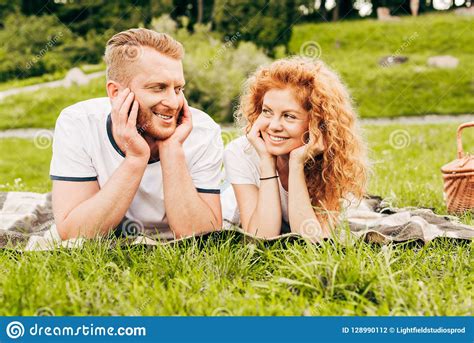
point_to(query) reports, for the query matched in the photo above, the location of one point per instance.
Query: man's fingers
(117, 102)
(122, 95)
(186, 118)
(125, 109)
(132, 120)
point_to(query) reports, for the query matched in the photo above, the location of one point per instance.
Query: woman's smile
(277, 139)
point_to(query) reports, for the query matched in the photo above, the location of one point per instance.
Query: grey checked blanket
(27, 224)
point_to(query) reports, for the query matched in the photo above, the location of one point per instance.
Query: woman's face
(284, 122)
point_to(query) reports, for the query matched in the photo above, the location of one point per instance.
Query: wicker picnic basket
(458, 178)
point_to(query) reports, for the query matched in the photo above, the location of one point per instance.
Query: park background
(411, 78)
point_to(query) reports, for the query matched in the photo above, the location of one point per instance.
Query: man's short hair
(127, 46)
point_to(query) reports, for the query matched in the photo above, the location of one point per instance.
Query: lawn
(42, 107)
(353, 48)
(223, 276)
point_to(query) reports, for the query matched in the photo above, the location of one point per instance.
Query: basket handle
(462, 126)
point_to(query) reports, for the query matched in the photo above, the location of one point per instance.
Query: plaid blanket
(27, 224)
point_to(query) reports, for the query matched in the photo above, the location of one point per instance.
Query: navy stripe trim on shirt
(211, 191)
(114, 143)
(71, 178)
(111, 136)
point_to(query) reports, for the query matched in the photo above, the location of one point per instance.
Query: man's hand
(182, 130)
(124, 126)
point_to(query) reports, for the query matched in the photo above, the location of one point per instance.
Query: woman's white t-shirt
(241, 165)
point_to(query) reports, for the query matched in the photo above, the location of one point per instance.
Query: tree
(8, 7)
(344, 9)
(266, 23)
(197, 11)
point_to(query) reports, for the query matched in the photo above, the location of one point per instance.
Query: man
(141, 157)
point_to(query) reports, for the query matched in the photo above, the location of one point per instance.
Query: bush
(32, 46)
(38, 45)
(266, 23)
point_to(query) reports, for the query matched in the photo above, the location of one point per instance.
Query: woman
(301, 155)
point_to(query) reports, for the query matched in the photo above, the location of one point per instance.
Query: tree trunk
(147, 9)
(335, 12)
(323, 11)
(199, 11)
(345, 9)
(342, 10)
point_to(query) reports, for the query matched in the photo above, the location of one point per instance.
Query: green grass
(24, 166)
(223, 276)
(407, 160)
(353, 48)
(226, 277)
(42, 107)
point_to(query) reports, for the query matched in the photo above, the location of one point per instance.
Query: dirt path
(52, 84)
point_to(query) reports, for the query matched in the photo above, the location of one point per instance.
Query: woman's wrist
(268, 167)
(296, 164)
(268, 162)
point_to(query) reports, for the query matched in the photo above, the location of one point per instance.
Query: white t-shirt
(84, 149)
(241, 164)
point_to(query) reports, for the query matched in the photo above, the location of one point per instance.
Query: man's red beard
(149, 124)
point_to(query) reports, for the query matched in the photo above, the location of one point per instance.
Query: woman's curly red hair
(342, 169)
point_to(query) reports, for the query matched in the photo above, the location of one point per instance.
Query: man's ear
(113, 88)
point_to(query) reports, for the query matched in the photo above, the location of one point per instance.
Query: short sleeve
(206, 171)
(238, 165)
(70, 160)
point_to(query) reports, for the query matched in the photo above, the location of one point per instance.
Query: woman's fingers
(254, 138)
(253, 132)
(257, 127)
(316, 145)
(320, 143)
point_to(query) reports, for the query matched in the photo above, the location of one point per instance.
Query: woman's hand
(298, 155)
(255, 138)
